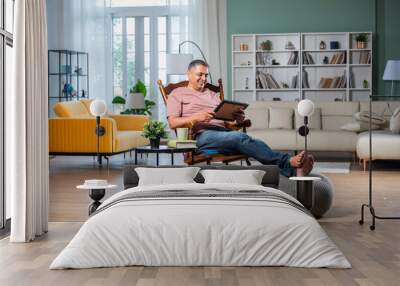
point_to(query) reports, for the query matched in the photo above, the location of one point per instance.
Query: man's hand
(239, 116)
(203, 116)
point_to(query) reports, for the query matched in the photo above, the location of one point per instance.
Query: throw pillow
(248, 177)
(258, 117)
(314, 121)
(166, 176)
(281, 118)
(364, 117)
(395, 121)
(358, 127)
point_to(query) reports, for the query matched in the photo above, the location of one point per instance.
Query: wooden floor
(375, 256)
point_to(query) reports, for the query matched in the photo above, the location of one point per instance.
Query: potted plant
(118, 104)
(266, 45)
(154, 130)
(135, 92)
(361, 40)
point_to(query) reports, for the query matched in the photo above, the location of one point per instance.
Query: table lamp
(98, 108)
(305, 108)
(392, 72)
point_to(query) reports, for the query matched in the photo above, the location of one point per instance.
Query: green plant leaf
(118, 100)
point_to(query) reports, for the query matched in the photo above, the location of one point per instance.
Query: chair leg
(365, 161)
(248, 162)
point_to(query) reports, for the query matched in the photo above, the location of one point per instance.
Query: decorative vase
(360, 45)
(155, 143)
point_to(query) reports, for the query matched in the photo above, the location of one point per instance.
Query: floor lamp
(305, 108)
(177, 64)
(392, 72)
(98, 108)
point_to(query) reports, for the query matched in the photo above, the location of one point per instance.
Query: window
(141, 38)
(6, 43)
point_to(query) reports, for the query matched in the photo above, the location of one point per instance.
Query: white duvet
(191, 231)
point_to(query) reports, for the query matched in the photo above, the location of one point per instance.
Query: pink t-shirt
(184, 102)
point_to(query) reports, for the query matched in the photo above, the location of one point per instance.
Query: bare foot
(298, 160)
(307, 166)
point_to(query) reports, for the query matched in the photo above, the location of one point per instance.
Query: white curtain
(206, 26)
(80, 25)
(27, 134)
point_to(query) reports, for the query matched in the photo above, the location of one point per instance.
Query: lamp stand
(201, 52)
(100, 131)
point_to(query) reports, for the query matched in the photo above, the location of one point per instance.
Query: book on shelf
(338, 59)
(295, 81)
(365, 57)
(181, 143)
(305, 83)
(308, 59)
(266, 81)
(333, 82)
(293, 59)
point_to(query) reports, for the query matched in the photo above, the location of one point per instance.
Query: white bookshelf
(246, 65)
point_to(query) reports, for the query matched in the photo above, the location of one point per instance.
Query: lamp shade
(135, 101)
(98, 107)
(392, 70)
(177, 64)
(305, 107)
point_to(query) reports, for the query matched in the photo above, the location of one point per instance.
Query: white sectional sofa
(277, 122)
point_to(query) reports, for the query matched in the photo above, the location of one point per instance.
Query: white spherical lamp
(305, 107)
(98, 107)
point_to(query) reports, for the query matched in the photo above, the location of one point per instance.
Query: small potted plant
(361, 40)
(154, 130)
(266, 45)
(118, 104)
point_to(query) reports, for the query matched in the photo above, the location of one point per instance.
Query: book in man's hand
(182, 143)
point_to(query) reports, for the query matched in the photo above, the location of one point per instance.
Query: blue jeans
(233, 142)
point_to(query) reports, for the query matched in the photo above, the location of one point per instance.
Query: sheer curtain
(80, 25)
(206, 26)
(27, 134)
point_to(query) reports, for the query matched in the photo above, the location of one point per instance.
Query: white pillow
(395, 121)
(166, 176)
(248, 177)
(281, 118)
(359, 126)
(364, 117)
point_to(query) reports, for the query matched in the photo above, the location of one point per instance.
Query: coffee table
(162, 149)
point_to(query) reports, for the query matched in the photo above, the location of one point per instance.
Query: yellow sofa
(72, 132)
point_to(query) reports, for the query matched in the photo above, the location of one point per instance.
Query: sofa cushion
(314, 121)
(258, 117)
(395, 121)
(70, 109)
(129, 139)
(320, 140)
(280, 118)
(358, 127)
(385, 145)
(277, 139)
(338, 108)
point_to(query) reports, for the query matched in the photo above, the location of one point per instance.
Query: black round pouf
(324, 193)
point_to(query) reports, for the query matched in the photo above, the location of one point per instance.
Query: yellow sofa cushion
(129, 139)
(86, 103)
(71, 109)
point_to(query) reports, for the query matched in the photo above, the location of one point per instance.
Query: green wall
(288, 16)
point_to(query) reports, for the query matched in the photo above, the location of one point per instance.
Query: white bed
(183, 230)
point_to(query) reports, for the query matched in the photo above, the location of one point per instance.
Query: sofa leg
(365, 164)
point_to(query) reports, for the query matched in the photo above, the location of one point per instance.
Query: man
(193, 106)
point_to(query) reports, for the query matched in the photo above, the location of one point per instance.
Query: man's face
(197, 76)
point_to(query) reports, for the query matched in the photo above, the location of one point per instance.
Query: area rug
(332, 167)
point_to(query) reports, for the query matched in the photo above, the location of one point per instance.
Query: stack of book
(293, 59)
(365, 57)
(338, 59)
(173, 143)
(333, 82)
(266, 81)
(307, 59)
